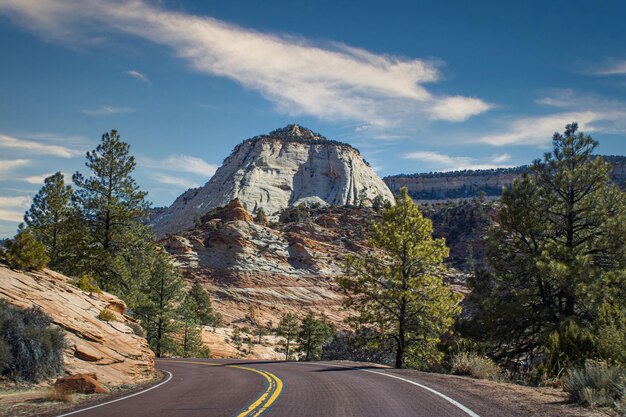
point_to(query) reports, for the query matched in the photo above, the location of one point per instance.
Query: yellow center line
(274, 388)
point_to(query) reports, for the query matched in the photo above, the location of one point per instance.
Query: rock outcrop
(284, 168)
(110, 349)
(289, 267)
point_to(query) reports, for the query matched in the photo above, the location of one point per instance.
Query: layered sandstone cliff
(110, 349)
(285, 168)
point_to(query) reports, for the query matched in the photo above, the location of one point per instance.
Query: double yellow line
(271, 393)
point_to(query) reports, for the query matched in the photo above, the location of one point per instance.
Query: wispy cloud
(8, 165)
(592, 113)
(331, 81)
(106, 110)
(442, 162)
(175, 181)
(12, 208)
(10, 142)
(616, 67)
(136, 74)
(182, 163)
(39, 179)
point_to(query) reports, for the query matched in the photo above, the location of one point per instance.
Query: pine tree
(25, 252)
(113, 206)
(191, 339)
(49, 218)
(200, 304)
(288, 329)
(400, 290)
(161, 293)
(312, 336)
(557, 261)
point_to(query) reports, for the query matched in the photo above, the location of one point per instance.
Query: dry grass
(59, 394)
(476, 366)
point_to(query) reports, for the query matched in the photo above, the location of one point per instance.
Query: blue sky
(417, 86)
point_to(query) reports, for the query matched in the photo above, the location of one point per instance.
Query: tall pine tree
(400, 291)
(49, 219)
(113, 207)
(556, 262)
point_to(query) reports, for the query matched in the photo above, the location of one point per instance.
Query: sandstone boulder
(81, 384)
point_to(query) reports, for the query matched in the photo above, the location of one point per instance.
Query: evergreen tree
(161, 292)
(288, 329)
(200, 305)
(400, 291)
(25, 252)
(190, 338)
(312, 336)
(49, 218)
(112, 207)
(556, 283)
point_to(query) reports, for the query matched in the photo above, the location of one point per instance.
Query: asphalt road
(202, 388)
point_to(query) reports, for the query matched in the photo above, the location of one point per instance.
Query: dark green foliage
(312, 335)
(193, 312)
(199, 305)
(25, 252)
(52, 219)
(288, 329)
(298, 213)
(112, 208)
(30, 349)
(160, 293)
(556, 285)
(362, 345)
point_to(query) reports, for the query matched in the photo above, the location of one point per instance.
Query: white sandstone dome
(284, 168)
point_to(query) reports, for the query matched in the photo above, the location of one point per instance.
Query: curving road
(203, 388)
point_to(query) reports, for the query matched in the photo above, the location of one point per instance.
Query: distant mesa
(284, 168)
(468, 183)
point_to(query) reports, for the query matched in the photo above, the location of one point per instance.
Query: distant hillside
(468, 183)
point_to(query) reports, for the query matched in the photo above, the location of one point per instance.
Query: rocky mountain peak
(287, 167)
(296, 132)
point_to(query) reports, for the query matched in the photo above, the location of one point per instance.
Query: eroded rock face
(109, 349)
(289, 267)
(284, 168)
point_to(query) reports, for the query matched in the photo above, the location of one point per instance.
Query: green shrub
(476, 366)
(596, 384)
(86, 284)
(25, 252)
(107, 315)
(30, 349)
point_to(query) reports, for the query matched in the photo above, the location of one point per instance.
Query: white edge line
(119, 399)
(445, 397)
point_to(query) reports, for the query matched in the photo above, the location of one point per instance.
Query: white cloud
(441, 162)
(331, 81)
(7, 165)
(138, 75)
(39, 179)
(592, 113)
(182, 163)
(12, 208)
(106, 110)
(175, 181)
(614, 68)
(10, 142)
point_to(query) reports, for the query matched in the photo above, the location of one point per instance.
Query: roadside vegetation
(31, 349)
(96, 231)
